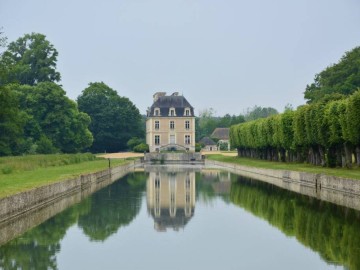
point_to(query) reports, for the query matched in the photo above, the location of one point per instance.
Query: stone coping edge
(318, 181)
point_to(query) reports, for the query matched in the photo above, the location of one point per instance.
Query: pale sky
(228, 55)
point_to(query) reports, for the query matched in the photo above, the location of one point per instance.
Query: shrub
(141, 148)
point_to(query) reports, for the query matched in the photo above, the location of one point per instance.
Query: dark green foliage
(30, 60)
(134, 142)
(114, 119)
(141, 148)
(45, 146)
(198, 147)
(52, 115)
(342, 78)
(12, 121)
(35, 114)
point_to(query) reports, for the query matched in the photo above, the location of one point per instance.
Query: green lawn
(19, 174)
(353, 173)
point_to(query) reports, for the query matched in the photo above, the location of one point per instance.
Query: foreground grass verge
(353, 173)
(18, 174)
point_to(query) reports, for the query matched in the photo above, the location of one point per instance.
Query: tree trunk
(348, 155)
(282, 155)
(322, 156)
(357, 155)
(275, 154)
(311, 156)
(339, 156)
(331, 157)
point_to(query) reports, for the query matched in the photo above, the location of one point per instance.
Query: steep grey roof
(164, 103)
(221, 133)
(207, 141)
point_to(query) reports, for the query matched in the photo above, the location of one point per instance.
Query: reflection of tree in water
(113, 207)
(36, 249)
(331, 230)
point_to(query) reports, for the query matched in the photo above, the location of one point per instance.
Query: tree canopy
(31, 59)
(257, 112)
(114, 119)
(339, 79)
(53, 117)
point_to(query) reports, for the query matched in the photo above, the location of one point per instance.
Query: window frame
(157, 125)
(157, 139)
(187, 124)
(187, 139)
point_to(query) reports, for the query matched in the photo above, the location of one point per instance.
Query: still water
(188, 219)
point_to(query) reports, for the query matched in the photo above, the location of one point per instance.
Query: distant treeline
(324, 132)
(206, 122)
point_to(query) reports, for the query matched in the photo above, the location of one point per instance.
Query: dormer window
(172, 112)
(187, 112)
(157, 112)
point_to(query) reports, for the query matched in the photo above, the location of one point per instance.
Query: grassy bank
(353, 173)
(22, 173)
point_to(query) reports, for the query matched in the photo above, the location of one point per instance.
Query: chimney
(157, 95)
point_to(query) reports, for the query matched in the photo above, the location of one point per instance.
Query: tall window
(187, 112)
(157, 112)
(187, 124)
(187, 139)
(157, 124)
(157, 139)
(172, 124)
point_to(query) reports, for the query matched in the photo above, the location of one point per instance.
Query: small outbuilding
(223, 135)
(209, 144)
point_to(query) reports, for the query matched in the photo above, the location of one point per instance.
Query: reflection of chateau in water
(171, 198)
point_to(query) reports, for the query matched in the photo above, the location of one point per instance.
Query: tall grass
(9, 165)
(18, 174)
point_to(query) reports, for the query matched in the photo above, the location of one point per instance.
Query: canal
(171, 218)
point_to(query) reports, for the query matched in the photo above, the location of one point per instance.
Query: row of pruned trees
(324, 133)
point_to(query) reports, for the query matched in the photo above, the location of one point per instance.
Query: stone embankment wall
(333, 189)
(18, 204)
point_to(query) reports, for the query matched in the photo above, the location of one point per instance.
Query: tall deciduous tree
(54, 119)
(31, 59)
(114, 119)
(11, 121)
(341, 78)
(259, 112)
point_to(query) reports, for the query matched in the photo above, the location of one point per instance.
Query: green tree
(341, 78)
(51, 115)
(258, 112)
(353, 120)
(114, 119)
(31, 59)
(134, 142)
(12, 121)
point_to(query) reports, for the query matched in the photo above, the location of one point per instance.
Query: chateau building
(170, 123)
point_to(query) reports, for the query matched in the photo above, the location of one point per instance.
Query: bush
(45, 146)
(198, 147)
(7, 170)
(134, 141)
(141, 148)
